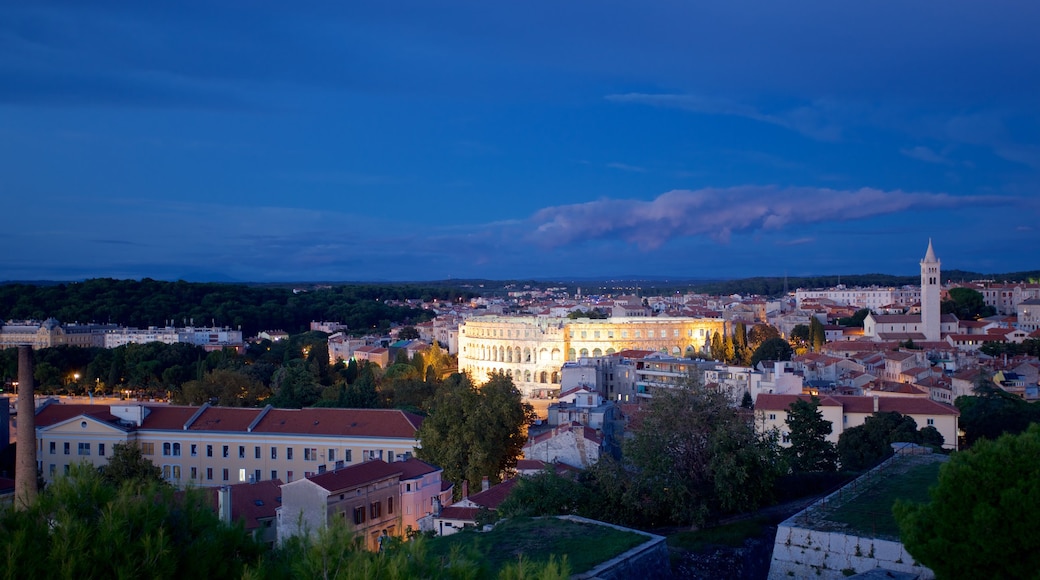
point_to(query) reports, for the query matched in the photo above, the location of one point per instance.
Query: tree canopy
(866, 445)
(983, 520)
(809, 450)
(967, 304)
(475, 432)
(772, 349)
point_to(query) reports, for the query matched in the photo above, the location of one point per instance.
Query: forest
(143, 303)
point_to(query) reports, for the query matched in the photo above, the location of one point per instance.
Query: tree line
(253, 308)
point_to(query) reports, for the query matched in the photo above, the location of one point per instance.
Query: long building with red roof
(211, 446)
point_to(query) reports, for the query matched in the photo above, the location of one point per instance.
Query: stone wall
(646, 561)
(803, 553)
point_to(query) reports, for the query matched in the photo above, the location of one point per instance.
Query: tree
(546, 493)
(992, 411)
(817, 335)
(866, 445)
(127, 465)
(856, 320)
(473, 433)
(809, 451)
(84, 527)
(718, 350)
(697, 457)
(729, 352)
(983, 520)
(760, 333)
(408, 333)
(772, 349)
(967, 304)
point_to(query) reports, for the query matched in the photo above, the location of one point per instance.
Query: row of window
(375, 510)
(639, 333)
(84, 448)
(309, 453)
(845, 419)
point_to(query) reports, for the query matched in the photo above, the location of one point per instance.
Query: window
(209, 451)
(787, 437)
(53, 469)
(390, 506)
(274, 474)
(225, 474)
(772, 416)
(84, 448)
(227, 450)
(256, 452)
(332, 455)
(346, 455)
(256, 475)
(241, 451)
(359, 515)
(242, 475)
(66, 469)
(101, 449)
(176, 471)
(54, 447)
(288, 476)
(288, 453)
(176, 449)
(209, 474)
(166, 471)
(194, 450)
(274, 452)
(310, 454)
(148, 449)
(194, 472)
(375, 509)
(166, 449)
(931, 422)
(68, 448)
(390, 456)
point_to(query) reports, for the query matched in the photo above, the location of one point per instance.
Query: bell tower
(930, 289)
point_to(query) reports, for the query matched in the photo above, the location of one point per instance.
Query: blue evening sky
(276, 141)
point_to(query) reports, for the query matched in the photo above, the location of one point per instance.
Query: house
(374, 354)
(574, 444)
(464, 513)
(366, 496)
(254, 505)
(845, 412)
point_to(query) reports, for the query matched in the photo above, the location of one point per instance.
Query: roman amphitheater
(531, 349)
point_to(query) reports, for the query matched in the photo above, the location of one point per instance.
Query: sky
(399, 140)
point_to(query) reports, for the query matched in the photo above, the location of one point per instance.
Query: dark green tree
(127, 465)
(866, 445)
(475, 432)
(985, 508)
(718, 350)
(760, 333)
(992, 412)
(408, 333)
(697, 457)
(817, 335)
(966, 304)
(546, 493)
(772, 349)
(856, 320)
(809, 451)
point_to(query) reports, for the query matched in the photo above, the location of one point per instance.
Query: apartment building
(214, 446)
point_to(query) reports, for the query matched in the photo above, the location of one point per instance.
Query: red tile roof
(251, 502)
(344, 422)
(166, 417)
(493, 497)
(413, 468)
(56, 413)
(464, 514)
(356, 475)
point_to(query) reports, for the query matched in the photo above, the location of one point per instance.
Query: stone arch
(544, 377)
(527, 355)
(556, 354)
(571, 354)
(556, 377)
(516, 354)
(509, 355)
(676, 351)
(610, 351)
(527, 376)
(597, 352)
(584, 353)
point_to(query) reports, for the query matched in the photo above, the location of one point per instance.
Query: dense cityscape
(474, 410)
(592, 290)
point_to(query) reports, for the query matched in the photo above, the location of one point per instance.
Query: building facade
(532, 349)
(213, 446)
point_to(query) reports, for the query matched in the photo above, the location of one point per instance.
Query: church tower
(930, 286)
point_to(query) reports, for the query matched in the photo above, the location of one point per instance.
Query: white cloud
(719, 213)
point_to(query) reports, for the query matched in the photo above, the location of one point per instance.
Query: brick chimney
(25, 454)
(484, 483)
(465, 488)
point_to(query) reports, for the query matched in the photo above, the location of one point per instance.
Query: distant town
(289, 428)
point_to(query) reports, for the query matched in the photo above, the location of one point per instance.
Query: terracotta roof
(493, 497)
(459, 513)
(773, 402)
(223, 419)
(344, 422)
(251, 501)
(355, 475)
(56, 413)
(413, 468)
(166, 417)
(860, 404)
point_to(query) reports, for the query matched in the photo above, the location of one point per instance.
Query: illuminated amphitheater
(532, 349)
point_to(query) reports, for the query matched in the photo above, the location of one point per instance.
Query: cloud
(718, 213)
(815, 120)
(922, 153)
(627, 167)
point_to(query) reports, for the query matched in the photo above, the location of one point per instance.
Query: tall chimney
(25, 454)
(877, 403)
(485, 484)
(224, 503)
